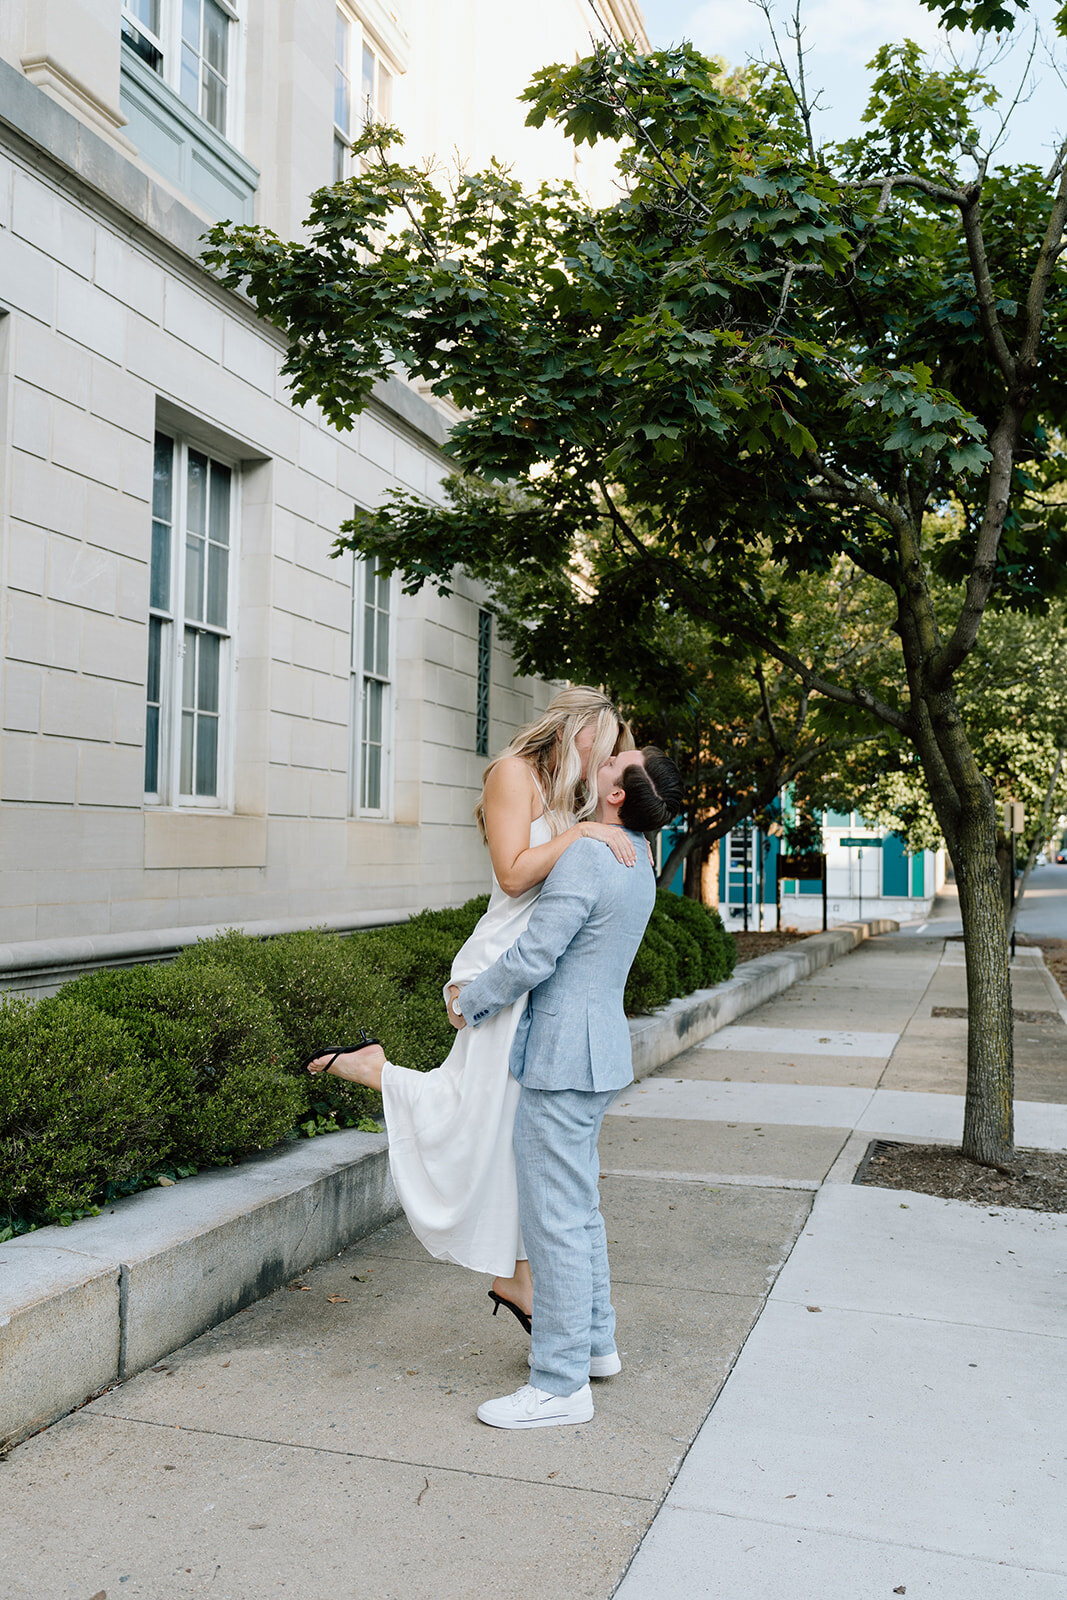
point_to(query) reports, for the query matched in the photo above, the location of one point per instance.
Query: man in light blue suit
(572, 1056)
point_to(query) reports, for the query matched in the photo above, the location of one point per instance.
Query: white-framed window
(192, 45)
(362, 86)
(372, 692)
(190, 640)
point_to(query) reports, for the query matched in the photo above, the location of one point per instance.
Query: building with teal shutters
(870, 873)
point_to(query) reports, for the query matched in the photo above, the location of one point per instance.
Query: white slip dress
(450, 1129)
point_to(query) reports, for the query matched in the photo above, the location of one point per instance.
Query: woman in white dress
(450, 1129)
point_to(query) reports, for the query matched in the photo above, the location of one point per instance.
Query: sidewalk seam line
(360, 1455)
(863, 1538)
(914, 1316)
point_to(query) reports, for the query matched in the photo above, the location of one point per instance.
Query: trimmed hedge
(686, 947)
(140, 1072)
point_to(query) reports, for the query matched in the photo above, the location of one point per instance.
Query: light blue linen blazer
(573, 959)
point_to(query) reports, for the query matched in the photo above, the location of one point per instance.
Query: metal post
(1013, 836)
(761, 876)
(745, 842)
(859, 858)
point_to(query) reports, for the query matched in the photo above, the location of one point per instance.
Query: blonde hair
(547, 746)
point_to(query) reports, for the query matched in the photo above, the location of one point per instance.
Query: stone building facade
(206, 719)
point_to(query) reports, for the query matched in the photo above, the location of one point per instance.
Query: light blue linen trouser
(558, 1169)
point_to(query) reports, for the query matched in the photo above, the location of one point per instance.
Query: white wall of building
(109, 331)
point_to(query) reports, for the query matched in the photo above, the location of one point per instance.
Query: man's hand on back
(456, 1018)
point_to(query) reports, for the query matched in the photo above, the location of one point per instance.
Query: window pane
(207, 677)
(216, 31)
(373, 702)
(207, 750)
(186, 783)
(196, 509)
(373, 696)
(151, 751)
(369, 630)
(340, 99)
(341, 103)
(146, 11)
(384, 107)
(340, 151)
(162, 497)
(381, 665)
(191, 23)
(189, 670)
(153, 707)
(372, 778)
(213, 104)
(218, 561)
(366, 86)
(142, 46)
(161, 478)
(155, 649)
(219, 509)
(159, 582)
(194, 578)
(189, 87)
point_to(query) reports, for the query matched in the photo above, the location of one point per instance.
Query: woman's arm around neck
(512, 800)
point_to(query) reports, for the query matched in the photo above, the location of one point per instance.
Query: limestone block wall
(109, 332)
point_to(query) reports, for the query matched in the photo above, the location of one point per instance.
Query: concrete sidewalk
(883, 1411)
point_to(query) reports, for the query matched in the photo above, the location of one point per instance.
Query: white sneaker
(536, 1408)
(599, 1366)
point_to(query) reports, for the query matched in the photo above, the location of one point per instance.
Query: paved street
(881, 1370)
(1043, 913)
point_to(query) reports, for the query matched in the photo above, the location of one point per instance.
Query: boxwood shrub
(167, 1067)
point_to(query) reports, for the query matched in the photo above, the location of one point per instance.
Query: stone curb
(86, 1307)
(683, 1023)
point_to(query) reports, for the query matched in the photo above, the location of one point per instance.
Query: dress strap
(540, 791)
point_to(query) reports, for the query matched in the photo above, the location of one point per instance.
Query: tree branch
(987, 300)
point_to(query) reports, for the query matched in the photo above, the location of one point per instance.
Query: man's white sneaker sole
(535, 1408)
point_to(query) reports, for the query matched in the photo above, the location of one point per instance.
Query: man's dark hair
(654, 792)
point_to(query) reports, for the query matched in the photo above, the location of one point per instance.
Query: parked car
(1061, 858)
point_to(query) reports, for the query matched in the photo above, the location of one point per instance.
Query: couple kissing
(494, 1153)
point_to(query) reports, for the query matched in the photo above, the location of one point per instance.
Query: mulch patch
(751, 945)
(1055, 954)
(1039, 1182)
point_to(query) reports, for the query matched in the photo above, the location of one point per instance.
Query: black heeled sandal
(517, 1312)
(335, 1050)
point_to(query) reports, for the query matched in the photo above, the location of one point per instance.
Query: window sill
(182, 147)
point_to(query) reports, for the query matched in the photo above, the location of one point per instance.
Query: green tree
(740, 724)
(763, 349)
(1013, 696)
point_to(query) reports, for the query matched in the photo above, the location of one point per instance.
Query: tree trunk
(694, 871)
(1004, 871)
(968, 814)
(988, 1123)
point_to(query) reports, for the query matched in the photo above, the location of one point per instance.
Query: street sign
(1014, 817)
(862, 844)
(804, 868)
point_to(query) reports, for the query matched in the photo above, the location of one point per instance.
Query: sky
(841, 36)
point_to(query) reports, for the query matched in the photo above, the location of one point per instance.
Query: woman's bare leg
(357, 1066)
(518, 1288)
